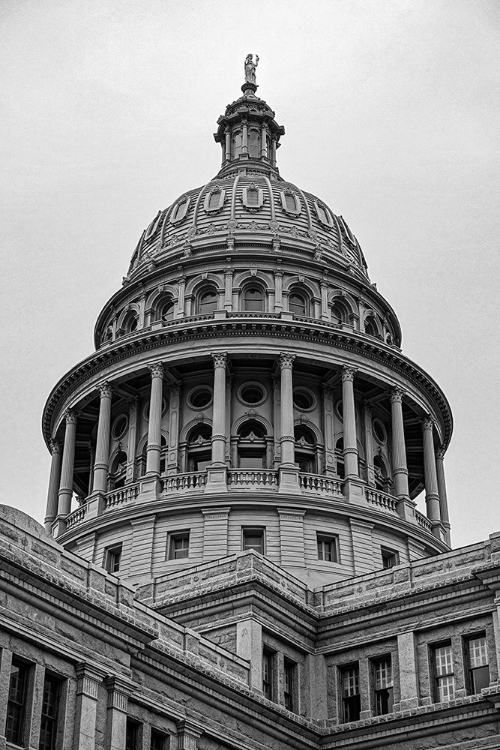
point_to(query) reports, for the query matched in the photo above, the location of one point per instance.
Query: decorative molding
(105, 390)
(55, 446)
(397, 394)
(157, 370)
(71, 416)
(220, 359)
(286, 360)
(348, 373)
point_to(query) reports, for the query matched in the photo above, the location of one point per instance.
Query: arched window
(382, 479)
(254, 143)
(298, 303)
(130, 322)
(237, 142)
(207, 301)
(339, 313)
(118, 471)
(305, 449)
(370, 327)
(199, 447)
(339, 455)
(166, 309)
(252, 445)
(253, 299)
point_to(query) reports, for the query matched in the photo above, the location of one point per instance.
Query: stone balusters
(54, 482)
(217, 472)
(430, 474)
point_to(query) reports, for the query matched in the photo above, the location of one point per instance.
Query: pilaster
(116, 719)
(215, 530)
(362, 547)
(249, 646)
(88, 680)
(173, 430)
(408, 672)
(292, 537)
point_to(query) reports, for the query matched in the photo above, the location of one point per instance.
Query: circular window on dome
(164, 406)
(379, 431)
(303, 399)
(119, 426)
(252, 394)
(200, 397)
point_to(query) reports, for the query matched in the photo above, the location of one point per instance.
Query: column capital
(105, 389)
(89, 679)
(286, 360)
(348, 373)
(220, 359)
(278, 272)
(119, 689)
(156, 370)
(427, 422)
(71, 416)
(397, 394)
(55, 446)
(440, 453)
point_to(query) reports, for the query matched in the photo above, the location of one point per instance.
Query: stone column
(5, 668)
(101, 465)
(173, 430)
(228, 289)
(33, 715)
(349, 420)
(132, 438)
(155, 409)
(408, 672)
(89, 679)
(263, 145)
(324, 301)
(273, 152)
(431, 485)
(227, 155)
(278, 291)
(216, 480)
(328, 431)
(116, 719)
(54, 481)
(289, 473)
(276, 421)
(292, 552)
(443, 497)
(406, 507)
(68, 461)
(244, 144)
(181, 291)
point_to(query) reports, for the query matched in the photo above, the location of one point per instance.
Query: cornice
(252, 327)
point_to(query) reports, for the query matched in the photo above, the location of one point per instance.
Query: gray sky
(391, 111)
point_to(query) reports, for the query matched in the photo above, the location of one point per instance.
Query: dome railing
(382, 500)
(264, 479)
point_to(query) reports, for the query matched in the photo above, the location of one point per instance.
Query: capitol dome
(248, 391)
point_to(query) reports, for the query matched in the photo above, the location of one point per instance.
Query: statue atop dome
(250, 67)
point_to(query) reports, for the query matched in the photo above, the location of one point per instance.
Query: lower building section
(237, 653)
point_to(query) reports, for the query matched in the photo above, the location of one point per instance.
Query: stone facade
(232, 555)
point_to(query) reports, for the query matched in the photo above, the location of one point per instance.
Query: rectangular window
(178, 545)
(16, 703)
(112, 558)
(268, 658)
(50, 709)
(132, 735)
(289, 678)
(383, 686)
(389, 558)
(253, 539)
(351, 699)
(444, 677)
(327, 548)
(477, 664)
(158, 740)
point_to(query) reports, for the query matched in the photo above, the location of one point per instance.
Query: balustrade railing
(122, 495)
(262, 478)
(184, 482)
(76, 517)
(423, 521)
(319, 484)
(382, 500)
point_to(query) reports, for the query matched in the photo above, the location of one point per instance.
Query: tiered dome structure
(248, 391)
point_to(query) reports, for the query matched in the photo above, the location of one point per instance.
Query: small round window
(252, 394)
(379, 431)
(303, 399)
(119, 426)
(200, 397)
(164, 406)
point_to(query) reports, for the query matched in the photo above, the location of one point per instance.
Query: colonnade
(61, 475)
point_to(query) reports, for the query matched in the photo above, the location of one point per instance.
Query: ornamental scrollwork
(105, 390)
(397, 394)
(157, 370)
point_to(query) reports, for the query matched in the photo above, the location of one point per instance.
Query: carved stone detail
(397, 394)
(286, 360)
(156, 370)
(105, 390)
(55, 446)
(348, 372)
(220, 359)
(71, 416)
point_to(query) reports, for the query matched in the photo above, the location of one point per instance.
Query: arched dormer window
(180, 210)
(252, 445)
(118, 471)
(207, 301)
(199, 447)
(340, 313)
(214, 200)
(298, 302)
(107, 336)
(290, 202)
(370, 326)
(305, 449)
(323, 214)
(253, 298)
(166, 309)
(252, 197)
(130, 322)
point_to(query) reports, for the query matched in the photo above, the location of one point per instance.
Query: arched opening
(118, 471)
(305, 449)
(339, 457)
(382, 479)
(339, 313)
(253, 299)
(199, 448)
(298, 302)
(251, 445)
(370, 326)
(207, 301)
(130, 322)
(166, 309)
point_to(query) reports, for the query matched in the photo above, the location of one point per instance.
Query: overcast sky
(391, 112)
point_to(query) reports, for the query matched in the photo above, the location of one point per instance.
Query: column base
(59, 526)
(406, 509)
(96, 503)
(149, 488)
(438, 531)
(354, 491)
(289, 479)
(216, 479)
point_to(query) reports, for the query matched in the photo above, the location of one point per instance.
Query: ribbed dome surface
(247, 204)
